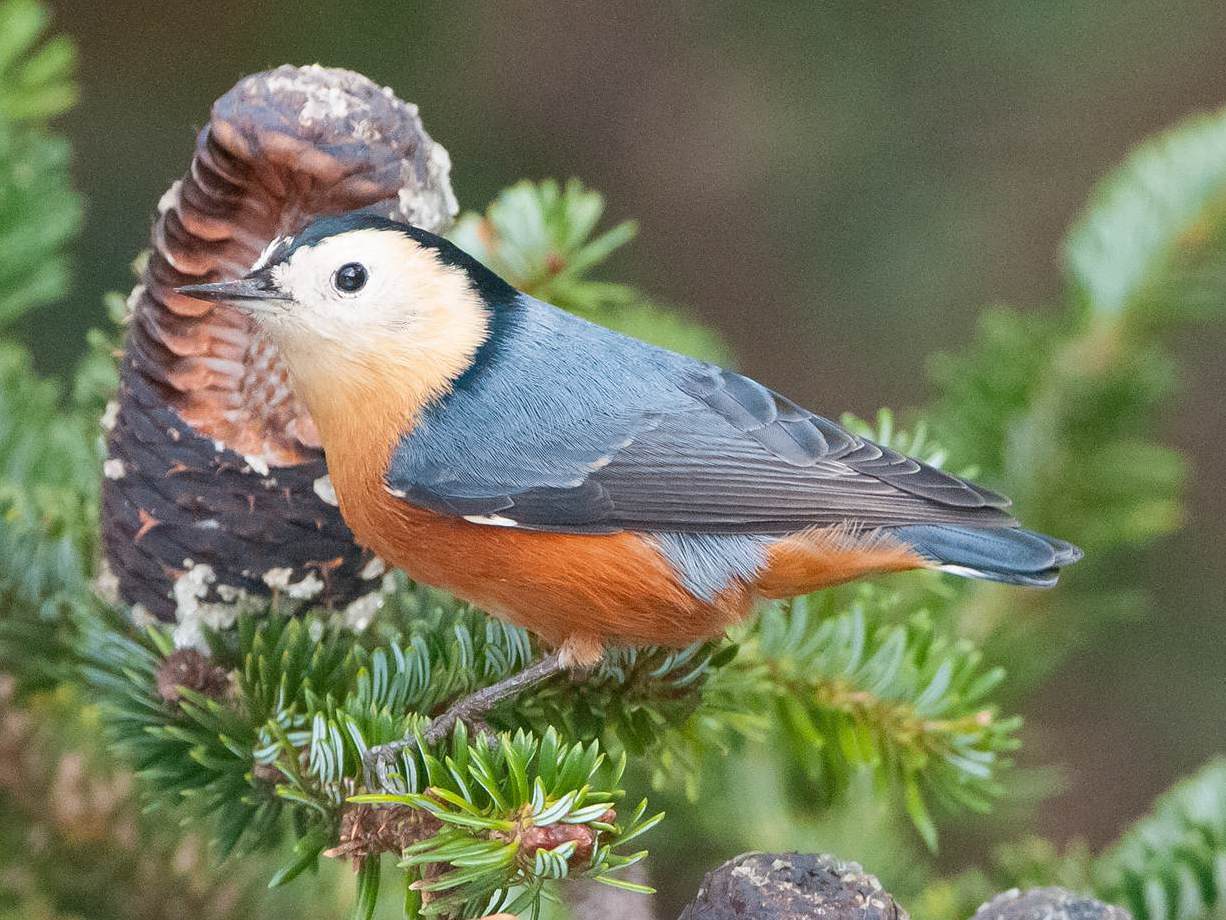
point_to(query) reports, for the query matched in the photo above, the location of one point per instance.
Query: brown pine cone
(215, 492)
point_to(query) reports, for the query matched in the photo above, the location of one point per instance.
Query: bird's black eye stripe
(350, 278)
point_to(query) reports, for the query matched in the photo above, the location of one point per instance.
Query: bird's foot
(443, 725)
(471, 708)
(381, 761)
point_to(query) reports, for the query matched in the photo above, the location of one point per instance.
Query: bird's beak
(253, 294)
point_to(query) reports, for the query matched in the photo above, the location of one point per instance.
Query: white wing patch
(960, 570)
(491, 520)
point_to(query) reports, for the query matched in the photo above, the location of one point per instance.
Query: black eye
(349, 278)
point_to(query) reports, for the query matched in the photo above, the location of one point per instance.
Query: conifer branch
(853, 691)
(1169, 865)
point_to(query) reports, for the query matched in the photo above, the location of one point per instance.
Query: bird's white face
(359, 289)
(367, 315)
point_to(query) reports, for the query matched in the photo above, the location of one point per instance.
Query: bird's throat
(364, 401)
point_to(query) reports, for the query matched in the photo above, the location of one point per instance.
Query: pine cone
(791, 886)
(215, 493)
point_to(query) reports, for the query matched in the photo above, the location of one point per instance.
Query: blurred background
(839, 190)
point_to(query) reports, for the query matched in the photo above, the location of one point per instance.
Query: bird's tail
(1006, 554)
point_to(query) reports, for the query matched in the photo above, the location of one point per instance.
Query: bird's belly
(573, 589)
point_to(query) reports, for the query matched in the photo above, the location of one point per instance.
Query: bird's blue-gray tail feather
(1006, 554)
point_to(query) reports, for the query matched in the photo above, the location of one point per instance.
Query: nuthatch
(585, 485)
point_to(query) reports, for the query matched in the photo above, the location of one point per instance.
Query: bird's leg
(378, 761)
(479, 702)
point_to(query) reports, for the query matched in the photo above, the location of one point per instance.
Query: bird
(597, 490)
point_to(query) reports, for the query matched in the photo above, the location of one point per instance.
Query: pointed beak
(253, 294)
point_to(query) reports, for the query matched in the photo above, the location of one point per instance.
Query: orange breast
(579, 592)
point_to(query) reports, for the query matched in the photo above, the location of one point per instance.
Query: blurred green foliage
(538, 236)
(1170, 864)
(36, 76)
(39, 211)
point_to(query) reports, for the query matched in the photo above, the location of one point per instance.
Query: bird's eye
(349, 278)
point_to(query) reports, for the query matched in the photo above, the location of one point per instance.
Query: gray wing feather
(570, 427)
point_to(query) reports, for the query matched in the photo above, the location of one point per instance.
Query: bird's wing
(632, 438)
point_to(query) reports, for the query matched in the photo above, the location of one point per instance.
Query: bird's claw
(379, 762)
(441, 727)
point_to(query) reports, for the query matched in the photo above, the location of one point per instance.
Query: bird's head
(359, 302)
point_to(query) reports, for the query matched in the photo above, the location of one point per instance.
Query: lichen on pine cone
(215, 494)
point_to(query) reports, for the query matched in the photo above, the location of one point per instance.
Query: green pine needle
(855, 691)
(1150, 238)
(36, 82)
